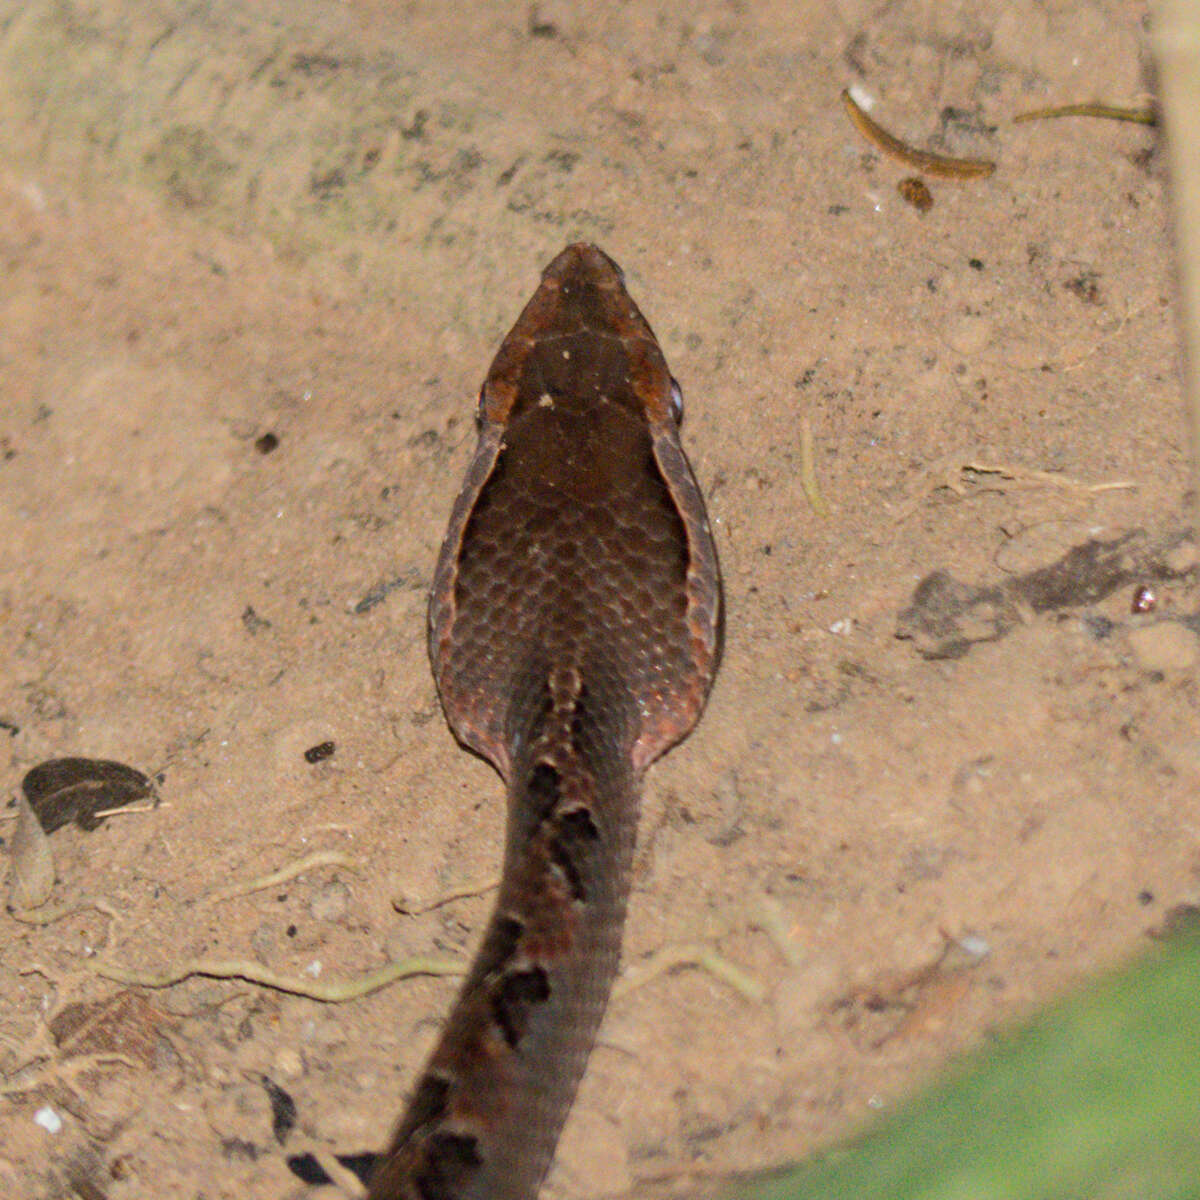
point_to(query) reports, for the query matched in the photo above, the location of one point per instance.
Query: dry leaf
(63, 790)
(31, 879)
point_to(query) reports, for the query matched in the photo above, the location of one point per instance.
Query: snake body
(574, 631)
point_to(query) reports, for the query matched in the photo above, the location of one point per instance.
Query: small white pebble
(313, 968)
(861, 97)
(288, 1063)
(842, 626)
(974, 945)
(48, 1119)
(835, 738)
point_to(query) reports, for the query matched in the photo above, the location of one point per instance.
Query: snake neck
(487, 1112)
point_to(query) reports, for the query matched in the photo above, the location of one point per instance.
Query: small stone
(974, 946)
(1165, 646)
(288, 1064)
(48, 1119)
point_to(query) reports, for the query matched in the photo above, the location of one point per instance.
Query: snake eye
(676, 401)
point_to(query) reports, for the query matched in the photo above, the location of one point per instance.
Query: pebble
(288, 1064)
(48, 1119)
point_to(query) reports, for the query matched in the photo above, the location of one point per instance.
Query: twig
(35, 916)
(1049, 477)
(771, 922)
(123, 811)
(318, 858)
(61, 1071)
(1108, 112)
(334, 991)
(690, 954)
(946, 472)
(401, 905)
(342, 1178)
(927, 161)
(808, 473)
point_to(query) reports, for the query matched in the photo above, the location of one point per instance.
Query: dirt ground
(316, 222)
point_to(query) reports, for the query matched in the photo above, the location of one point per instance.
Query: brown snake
(574, 630)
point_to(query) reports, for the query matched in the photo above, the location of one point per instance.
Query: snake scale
(574, 631)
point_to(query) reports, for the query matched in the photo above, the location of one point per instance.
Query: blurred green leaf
(1097, 1098)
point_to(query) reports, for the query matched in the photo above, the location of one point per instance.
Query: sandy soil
(317, 222)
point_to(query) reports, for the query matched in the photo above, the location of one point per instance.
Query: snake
(575, 626)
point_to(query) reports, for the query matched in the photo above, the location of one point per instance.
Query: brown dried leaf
(62, 790)
(125, 1024)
